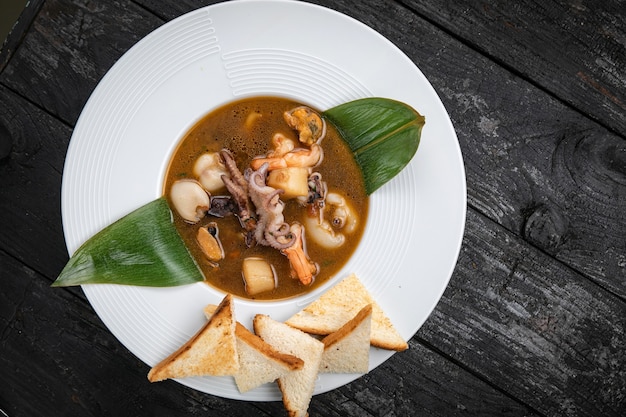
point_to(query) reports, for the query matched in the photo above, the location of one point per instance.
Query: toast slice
(338, 305)
(211, 351)
(297, 386)
(348, 349)
(259, 363)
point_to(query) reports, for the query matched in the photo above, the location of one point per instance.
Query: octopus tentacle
(272, 230)
(237, 186)
(233, 170)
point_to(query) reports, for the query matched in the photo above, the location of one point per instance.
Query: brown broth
(224, 128)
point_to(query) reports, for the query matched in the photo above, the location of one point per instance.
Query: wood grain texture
(575, 50)
(32, 152)
(57, 355)
(420, 382)
(532, 322)
(16, 35)
(72, 44)
(512, 310)
(543, 171)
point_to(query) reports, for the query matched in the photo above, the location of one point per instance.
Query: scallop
(190, 200)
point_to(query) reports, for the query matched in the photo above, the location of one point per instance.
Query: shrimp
(302, 267)
(299, 157)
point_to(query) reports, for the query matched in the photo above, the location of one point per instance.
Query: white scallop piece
(143, 106)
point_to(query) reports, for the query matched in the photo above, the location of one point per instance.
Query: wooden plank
(420, 382)
(57, 355)
(70, 47)
(544, 171)
(15, 36)
(511, 310)
(32, 152)
(574, 50)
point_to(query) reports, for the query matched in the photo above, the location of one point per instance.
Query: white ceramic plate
(147, 101)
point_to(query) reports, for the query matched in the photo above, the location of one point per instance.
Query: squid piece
(323, 233)
(343, 215)
(252, 119)
(310, 125)
(190, 200)
(209, 168)
(337, 217)
(311, 130)
(302, 267)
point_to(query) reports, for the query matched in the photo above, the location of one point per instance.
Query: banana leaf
(142, 248)
(383, 135)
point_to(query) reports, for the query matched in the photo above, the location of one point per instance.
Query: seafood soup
(267, 197)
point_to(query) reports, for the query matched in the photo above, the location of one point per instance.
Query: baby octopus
(272, 230)
(237, 185)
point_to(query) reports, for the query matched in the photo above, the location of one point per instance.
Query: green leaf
(142, 248)
(383, 134)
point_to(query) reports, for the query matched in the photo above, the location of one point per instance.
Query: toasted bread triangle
(259, 363)
(340, 304)
(347, 350)
(211, 351)
(297, 386)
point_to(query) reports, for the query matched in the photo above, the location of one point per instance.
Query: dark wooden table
(533, 322)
